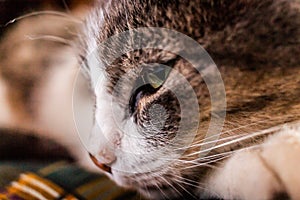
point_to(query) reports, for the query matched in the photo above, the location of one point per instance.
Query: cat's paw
(265, 172)
(281, 154)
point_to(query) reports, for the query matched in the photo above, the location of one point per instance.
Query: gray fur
(255, 45)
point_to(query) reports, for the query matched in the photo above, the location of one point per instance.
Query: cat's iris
(157, 76)
(151, 78)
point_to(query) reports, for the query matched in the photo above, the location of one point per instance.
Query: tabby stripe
(40, 185)
(28, 190)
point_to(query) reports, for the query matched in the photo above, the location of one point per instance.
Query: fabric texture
(58, 180)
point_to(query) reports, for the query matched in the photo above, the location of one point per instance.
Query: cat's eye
(149, 81)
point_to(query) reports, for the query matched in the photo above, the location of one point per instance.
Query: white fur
(115, 139)
(100, 142)
(259, 173)
(95, 20)
(282, 153)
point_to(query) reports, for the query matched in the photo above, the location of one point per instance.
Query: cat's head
(159, 98)
(147, 108)
(149, 85)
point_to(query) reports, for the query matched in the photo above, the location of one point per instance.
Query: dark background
(12, 142)
(10, 9)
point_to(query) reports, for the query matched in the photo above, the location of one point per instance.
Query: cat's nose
(102, 147)
(102, 166)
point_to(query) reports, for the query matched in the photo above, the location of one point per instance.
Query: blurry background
(12, 142)
(10, 9)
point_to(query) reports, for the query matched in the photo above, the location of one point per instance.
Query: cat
(169, 119)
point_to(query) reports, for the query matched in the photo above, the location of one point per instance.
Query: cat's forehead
(114, 17)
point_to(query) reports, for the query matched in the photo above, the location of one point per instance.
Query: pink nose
(102, 166)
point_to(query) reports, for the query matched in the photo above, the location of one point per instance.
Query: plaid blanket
(59, 180)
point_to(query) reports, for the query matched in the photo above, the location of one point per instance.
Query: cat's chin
(150, 186)
(121, 180)
(148, 191)
(126, 179)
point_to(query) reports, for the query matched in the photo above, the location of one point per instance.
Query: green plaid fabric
(59, 180)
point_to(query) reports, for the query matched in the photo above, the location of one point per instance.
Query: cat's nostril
(102, 166)
(106, 156)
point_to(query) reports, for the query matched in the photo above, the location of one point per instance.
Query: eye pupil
(138, 94)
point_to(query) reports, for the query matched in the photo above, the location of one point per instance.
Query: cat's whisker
(209, 142)
(158, 175)
(234, 129)
(198, 164)
(205, 163)
(212, 166)
(245, 126)
(198, 185)
(196, 161)
(189, 180)
(203, 160)
(161, 191)
(178, 182)
(52, 38)
(201, 143)
(253, 135)
(66, 6)
(215, 155)
(45, 12)
(144, 186)
(172, 186)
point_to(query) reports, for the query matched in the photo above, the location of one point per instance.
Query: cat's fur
(255, 45)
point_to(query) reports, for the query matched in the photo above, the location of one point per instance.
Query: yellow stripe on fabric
(28, 190)
(52, 168)
(48, 183)
(3, 197)
(36, 188)
(16, 192)
(41, 185)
